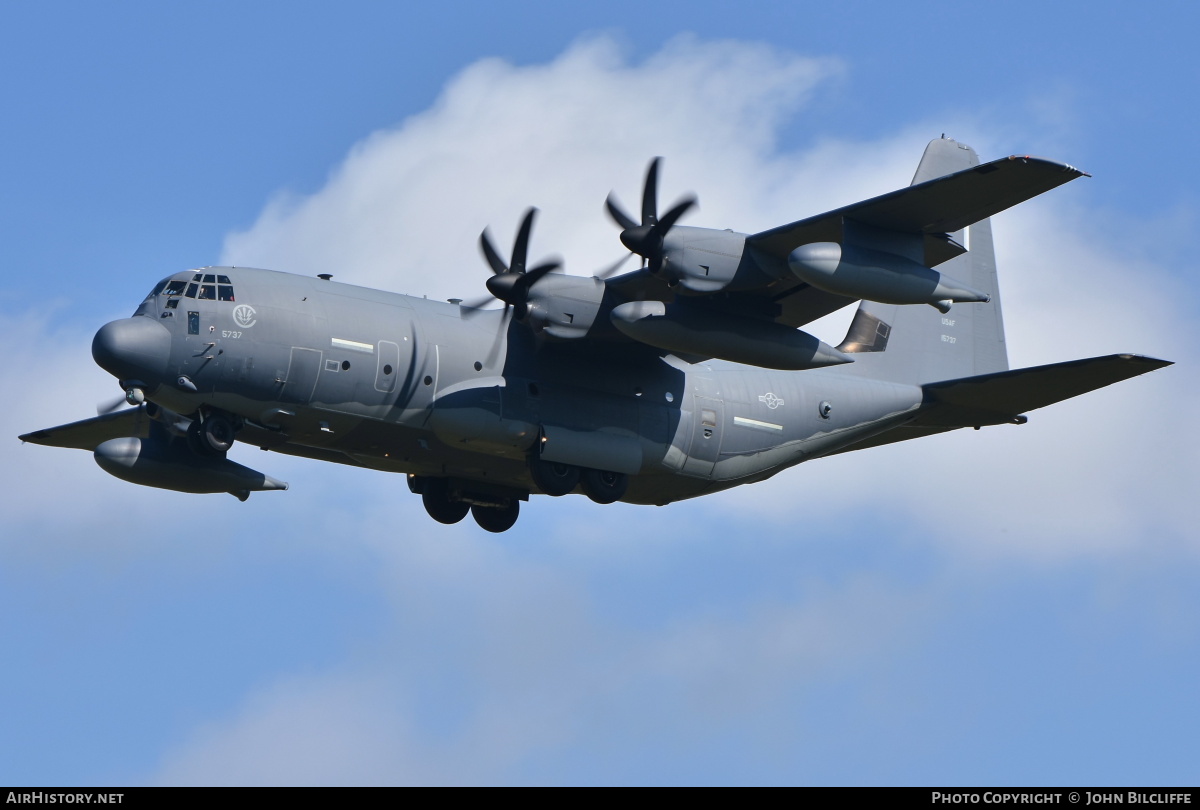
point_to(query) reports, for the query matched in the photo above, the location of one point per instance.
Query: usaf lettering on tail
(686, 376)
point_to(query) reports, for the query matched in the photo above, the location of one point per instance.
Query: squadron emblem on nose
(243, 315)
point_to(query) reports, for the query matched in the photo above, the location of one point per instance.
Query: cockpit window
(203, 286)
(145, 306)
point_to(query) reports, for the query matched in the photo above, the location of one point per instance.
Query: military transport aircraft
(683, 377)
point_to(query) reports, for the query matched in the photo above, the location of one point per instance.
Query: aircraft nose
(136, 348)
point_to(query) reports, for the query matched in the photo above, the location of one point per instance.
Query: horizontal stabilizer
(88, 434)
(939, 206)
(994, 399)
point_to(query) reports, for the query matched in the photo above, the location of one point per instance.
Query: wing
(935, 208)
(958, 192)
(88, 434)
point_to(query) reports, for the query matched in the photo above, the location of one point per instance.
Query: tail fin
(922, 344)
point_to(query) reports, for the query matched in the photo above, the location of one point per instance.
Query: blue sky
(1013, 606)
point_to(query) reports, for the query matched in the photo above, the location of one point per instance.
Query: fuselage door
(302, 374)
(388, 367)
(707, 417)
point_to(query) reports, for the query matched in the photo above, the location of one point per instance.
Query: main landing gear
(554, 478)
(448, 502)
(496, 508)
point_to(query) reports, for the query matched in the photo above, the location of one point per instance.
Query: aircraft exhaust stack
(172, 465)
(859, 272)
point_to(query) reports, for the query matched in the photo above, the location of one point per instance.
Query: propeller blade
(521, 246)
(473, 308)
(494, 352)
(618, 214)
(108, 407)
(612, 268)
(531, 276)
(668, 221)
(650, 194)
(490, 253)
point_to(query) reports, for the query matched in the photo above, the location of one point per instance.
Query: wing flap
(942, 205)
(88, 434)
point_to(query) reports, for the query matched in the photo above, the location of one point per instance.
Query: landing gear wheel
(219, 433)
(436, 498)
(553, 478)
(497, 519)
(603, 486)
(213, 437)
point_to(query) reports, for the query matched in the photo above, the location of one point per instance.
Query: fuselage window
(175, 287)
(224, 292)
(208, 292)
(191, 291)
(172, 303)
(193, 323)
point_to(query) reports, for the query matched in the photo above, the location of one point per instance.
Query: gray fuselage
(359, 376)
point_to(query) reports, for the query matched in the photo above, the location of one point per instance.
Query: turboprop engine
(167, 463)
(861, 272)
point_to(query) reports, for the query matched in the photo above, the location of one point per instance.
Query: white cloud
(406, 208)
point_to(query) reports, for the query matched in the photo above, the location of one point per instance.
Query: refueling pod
(856, 271)
(735, 338)
(168, 463)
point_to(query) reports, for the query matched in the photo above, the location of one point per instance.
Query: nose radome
(136, 348)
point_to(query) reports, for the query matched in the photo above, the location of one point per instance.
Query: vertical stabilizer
(917, 343)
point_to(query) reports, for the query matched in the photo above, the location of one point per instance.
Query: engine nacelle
(564, 307)
(703, 260)
(728, 337)
(858, 272)
(170, 464)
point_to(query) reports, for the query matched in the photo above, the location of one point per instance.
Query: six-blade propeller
(511, 282)
(646, 238)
